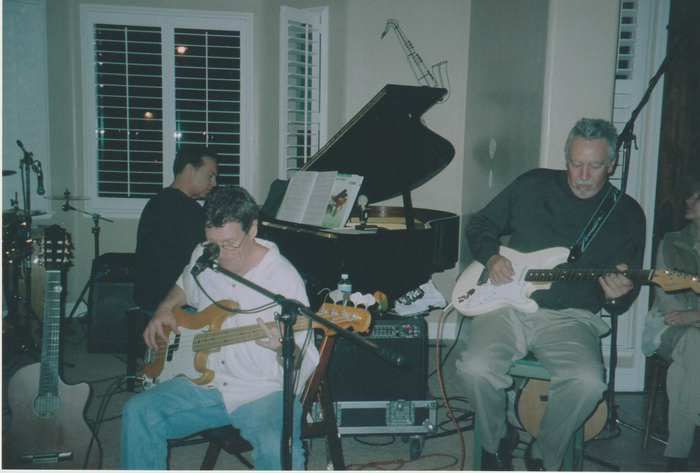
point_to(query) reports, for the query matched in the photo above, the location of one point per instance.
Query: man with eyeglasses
(544, 209)
(246, 390)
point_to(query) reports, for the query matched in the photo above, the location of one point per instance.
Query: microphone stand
(23, 324)
(95, 231)
(290, 310)
(625, 140)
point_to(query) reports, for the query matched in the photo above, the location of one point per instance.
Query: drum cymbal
(61, 197)
(8, 173)
(66, 196)
(18, 212)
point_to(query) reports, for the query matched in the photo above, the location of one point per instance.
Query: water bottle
(345, 287)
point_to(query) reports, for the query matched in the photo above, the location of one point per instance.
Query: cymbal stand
(96, 232)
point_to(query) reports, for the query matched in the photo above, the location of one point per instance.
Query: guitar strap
(597, 220)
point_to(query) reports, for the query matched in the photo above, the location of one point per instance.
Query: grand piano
(388, 144)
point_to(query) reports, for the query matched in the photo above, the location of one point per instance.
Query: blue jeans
(178, 408)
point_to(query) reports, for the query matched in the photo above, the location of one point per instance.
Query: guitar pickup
(46, 458)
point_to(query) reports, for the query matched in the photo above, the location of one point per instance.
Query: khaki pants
(566, 342)
(681, 346)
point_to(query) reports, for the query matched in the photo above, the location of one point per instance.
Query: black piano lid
(387, 144)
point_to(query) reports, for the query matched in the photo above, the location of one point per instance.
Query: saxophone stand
(96, 232)
(290, 310)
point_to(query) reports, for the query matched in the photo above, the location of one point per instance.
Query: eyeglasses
(228, 247)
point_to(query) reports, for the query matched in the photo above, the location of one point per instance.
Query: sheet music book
(323, 199)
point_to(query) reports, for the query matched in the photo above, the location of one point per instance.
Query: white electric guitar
(474, 293)
(200, 334)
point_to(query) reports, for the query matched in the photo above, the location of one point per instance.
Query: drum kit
(22, 260)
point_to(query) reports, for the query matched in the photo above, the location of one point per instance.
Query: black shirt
(171, 226)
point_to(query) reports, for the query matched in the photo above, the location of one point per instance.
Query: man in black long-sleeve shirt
(172, 225)
(539, 210)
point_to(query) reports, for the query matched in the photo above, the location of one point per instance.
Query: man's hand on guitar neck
(164, 316)
(273, 342)
(616, 285)
(500, 270)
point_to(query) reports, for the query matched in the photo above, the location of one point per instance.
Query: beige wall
(504, 98)
(580, 70)
(439, 31)
(499, 89)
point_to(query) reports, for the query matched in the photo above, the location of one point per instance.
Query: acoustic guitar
(200, 334)
(531, 402)
(48, 428)
(474, 294)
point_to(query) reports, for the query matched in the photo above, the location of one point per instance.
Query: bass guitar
(200, 334)
(474, 294)
(48, 428)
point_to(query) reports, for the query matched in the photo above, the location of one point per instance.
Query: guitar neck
(584, 275)
(220, 338)
(48, 379)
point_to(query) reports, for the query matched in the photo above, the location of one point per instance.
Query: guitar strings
(234, 335)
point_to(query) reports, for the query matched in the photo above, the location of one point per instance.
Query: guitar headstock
(671, 281)
(344, 316)
(56, 248)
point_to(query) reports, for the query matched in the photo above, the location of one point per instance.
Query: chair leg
(211, 456)
(476, 446)
(335, 445)
(650, 407)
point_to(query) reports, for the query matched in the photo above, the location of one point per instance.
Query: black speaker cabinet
(355, 374)
(111, 295)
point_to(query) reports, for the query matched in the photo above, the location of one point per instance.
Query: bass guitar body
(48, 432)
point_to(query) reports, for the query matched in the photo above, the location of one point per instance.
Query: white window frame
(318, 17)
(168, 19)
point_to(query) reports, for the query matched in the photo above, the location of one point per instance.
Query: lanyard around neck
(597, 220)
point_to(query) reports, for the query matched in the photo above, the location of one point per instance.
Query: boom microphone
(210, 253)
(21, 146)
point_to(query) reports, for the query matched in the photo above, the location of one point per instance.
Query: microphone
(39, 180)
(210, 253)
(21, 146)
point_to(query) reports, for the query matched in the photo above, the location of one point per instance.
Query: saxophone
(420, 70)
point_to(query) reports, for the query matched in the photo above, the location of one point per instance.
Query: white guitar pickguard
(472, 298)
(180, 358)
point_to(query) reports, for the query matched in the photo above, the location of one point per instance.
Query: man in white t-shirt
(246, 390)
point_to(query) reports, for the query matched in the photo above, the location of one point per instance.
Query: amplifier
(111, 295)
(371, 395)
(357, 374)
(114, 267)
